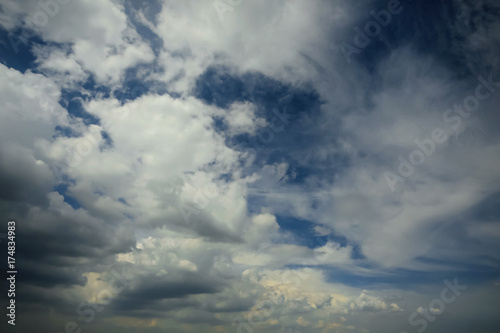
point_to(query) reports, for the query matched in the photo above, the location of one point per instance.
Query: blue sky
(252, 166)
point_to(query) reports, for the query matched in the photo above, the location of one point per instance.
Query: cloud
(198, 135)
(99, 35)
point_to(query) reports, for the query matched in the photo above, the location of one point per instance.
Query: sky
(251, 166)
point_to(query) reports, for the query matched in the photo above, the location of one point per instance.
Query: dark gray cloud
(173, 285)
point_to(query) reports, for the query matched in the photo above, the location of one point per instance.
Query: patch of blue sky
(134, 85)
(302, 232)
(15, 52)
(62, 189)
(428, 27)
(149, 9)
(218, 86)
(488, 210)
(123, 201)
(408, 279)
(72, 101)
(95, 89)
